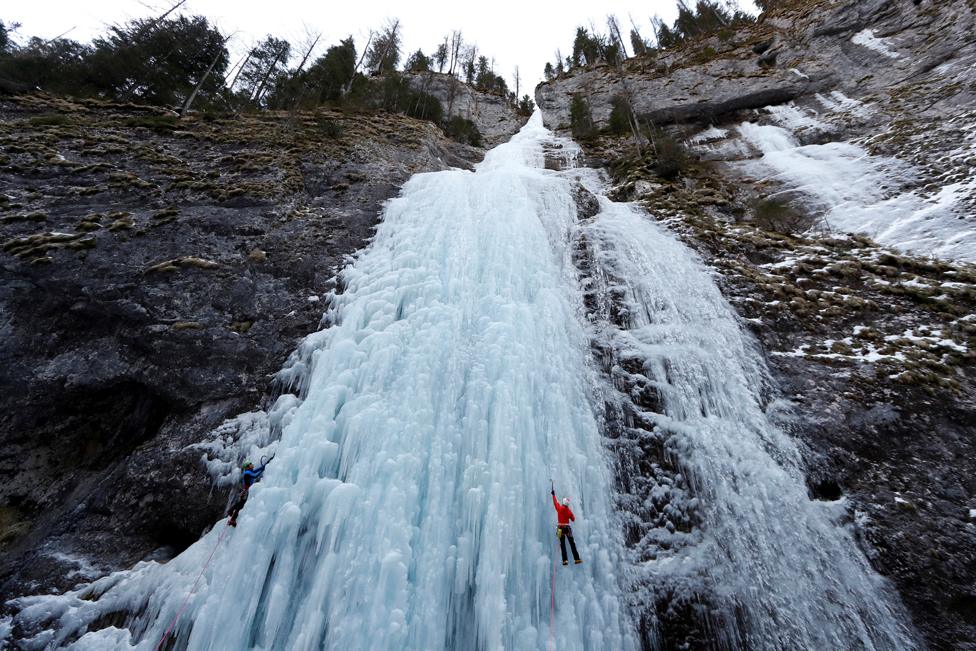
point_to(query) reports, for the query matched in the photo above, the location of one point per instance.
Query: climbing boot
(578, 561)
(565, 562)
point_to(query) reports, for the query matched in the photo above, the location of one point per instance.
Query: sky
(524, 34)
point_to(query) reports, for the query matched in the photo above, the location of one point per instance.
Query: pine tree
(586, 48)
(265, 63)
(5, 43)
(331, 73)
(440, 56)
(384, 52)
(637, 44)
(581, 117)
(158, 61)
(418, 62)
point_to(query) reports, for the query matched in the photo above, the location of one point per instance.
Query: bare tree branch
(359, 64)
(156, 21)
(267, 75)
(308, 53)
(61, 35)
(203, 79)
(240, 67)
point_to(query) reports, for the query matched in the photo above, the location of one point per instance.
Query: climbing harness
(186, 601)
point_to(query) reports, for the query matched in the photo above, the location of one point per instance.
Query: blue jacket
(250, 476)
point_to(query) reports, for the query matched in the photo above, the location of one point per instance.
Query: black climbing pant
(563, 532)
(238, 505)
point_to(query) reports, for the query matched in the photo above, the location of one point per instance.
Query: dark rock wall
(154, 275)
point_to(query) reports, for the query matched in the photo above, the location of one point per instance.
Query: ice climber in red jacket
(563, 530)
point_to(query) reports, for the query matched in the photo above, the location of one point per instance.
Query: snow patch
(712, 133)
(83, 569)
(856, 192)
(867, 354)
(866, 38)
(795, 119)
(838, 102)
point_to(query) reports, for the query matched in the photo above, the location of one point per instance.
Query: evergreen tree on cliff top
(332, 73)
(383, 55)
(159, 62)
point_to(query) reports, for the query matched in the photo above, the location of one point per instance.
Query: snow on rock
(856, 349)
(247, 435)
(836, 174)
(838, 102)
(791, 117)
(712, 133)
(856, 192)
(82, 566)
(867, 39)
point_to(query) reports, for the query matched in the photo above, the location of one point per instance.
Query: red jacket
(564, 513)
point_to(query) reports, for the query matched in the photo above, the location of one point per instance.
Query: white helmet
(565, 501)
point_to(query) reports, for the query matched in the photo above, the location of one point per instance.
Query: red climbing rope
(552, 608)
(186, 601)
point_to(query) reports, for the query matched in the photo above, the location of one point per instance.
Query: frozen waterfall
(408, 506)
(778, 570)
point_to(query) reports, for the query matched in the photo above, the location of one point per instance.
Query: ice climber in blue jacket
(249, 475)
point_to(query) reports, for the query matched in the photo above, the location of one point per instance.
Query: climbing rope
(552, 589)
(552, 608)
(186, 601)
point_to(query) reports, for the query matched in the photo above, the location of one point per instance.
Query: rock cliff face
(154, 276)
(832, 151)
(880, 50)
(494, 117)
